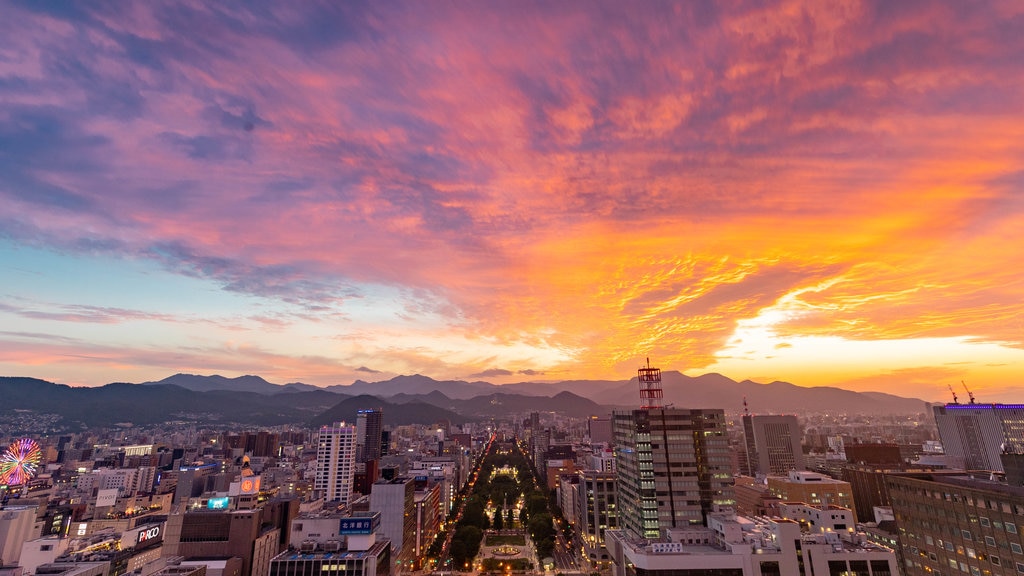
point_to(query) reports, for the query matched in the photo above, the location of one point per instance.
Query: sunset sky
(826, 193)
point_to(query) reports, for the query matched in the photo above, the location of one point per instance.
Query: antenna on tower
(649, 380)
(746, 412)
(953, 392)
(969, 395)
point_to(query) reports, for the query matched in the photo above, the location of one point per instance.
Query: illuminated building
(975, 435)
(812, 488)
(598, 512)
(958, 524)
(369, 426)
(673, 465)
(334, 544)
(335, 462)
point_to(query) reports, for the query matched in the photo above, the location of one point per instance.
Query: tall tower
(750, 466)
(649, 379)
(335, 462)
(369, 425)
(673, 463)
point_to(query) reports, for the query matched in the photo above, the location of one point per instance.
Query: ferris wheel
(20, 462)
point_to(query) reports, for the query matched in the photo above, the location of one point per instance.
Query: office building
(598, 512)
(395, 501)
(335, 462)
(335, 545)
(243, 534)
(673, 466)
(974, 435)
(599, 429)
(16, 528)
(812, 488)
(773, 444)
(369, 427)
(753, 497)
(958, 524)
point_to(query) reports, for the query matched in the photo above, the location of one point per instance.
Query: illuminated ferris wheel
(20, 462)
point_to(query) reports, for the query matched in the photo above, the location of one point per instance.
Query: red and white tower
(651, 393)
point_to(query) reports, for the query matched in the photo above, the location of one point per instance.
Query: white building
(335, 462)
(740, 546)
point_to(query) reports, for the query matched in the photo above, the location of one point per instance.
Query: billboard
(106, 497)
(148, 534)
(247, 485)
(359, 524)
(218, 503)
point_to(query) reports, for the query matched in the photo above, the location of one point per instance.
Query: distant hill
(408, 413)
(247, 383)
(418, 384)
(413, 399)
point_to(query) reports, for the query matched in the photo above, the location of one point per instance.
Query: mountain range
(414, 399)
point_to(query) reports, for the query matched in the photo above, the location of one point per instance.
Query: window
(1011, 527)
(994, 560)
(984, 522)
(990, 541)
(966, 534)
(1016, 548)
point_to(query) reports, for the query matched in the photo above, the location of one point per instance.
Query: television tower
(651, 393)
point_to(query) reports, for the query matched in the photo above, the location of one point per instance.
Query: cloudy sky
(827, 193)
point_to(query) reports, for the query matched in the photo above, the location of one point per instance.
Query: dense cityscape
(511, 288)
(651, 489)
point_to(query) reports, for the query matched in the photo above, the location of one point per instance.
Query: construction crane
(953, 392)
(969, 394)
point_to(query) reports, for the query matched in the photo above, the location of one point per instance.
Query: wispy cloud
(505, 177)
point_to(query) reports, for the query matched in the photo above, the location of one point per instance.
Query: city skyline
(829, 195)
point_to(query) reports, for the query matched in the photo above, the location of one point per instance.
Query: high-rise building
(597, 512)
(599, 429)
(974, 435)
(395, 500)
(673, 467)
(335, 462)
(773, 444)
(369, 426)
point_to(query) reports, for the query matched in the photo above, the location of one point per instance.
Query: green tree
(458, 553)
(498, 523)
(536, 503)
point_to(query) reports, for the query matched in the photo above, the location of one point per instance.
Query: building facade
(598, 512)
(812, 488)
(673, 467)
(369, 426)
(974, 435)
(773, 444)
(335, 462)
(958, 524)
